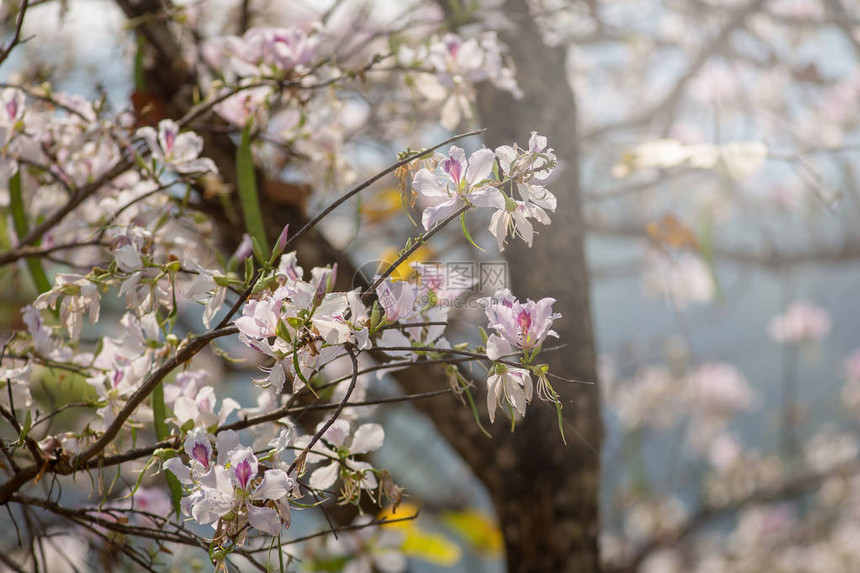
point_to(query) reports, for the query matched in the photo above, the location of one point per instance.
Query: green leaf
(19, 220)
(560, 420)
(475, 411)
(141, 474)
(466, 232)
(247, 182)
(258, 250)
(159, 414)
(25, 429)
(249, 270)
(280, 554)
(301, 376)
(282, 332)
(375, 317)
(139, 76)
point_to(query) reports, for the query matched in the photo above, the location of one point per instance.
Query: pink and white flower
(683, 279)
(78, 296)
(457, 64)
(512, 219)
(302, 325)
(208, 288)
(232, 490)
(200, 408)
(178, 151)
(802, 322)
(517, 324)
(509, 387)
(335, 450)
(524, 168)
(458, 182)
(719, 389)
(267, 51)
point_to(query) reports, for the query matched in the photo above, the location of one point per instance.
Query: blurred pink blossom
(719, 388)
(801, 322)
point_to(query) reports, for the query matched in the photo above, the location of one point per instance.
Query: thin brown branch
(286, 411)
(16, 37)
(337, 412)
(667, 105)
(183, 355)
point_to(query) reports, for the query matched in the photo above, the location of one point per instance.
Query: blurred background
(715, 166)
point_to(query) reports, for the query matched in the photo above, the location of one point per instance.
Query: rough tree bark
(548, 506)
(546, 494)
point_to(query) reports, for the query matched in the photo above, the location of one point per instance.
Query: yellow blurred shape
(421, 544)
(403, 271)
(430, 547)
(672, 232)
(478, 529)
(404, 510)
(382, 205)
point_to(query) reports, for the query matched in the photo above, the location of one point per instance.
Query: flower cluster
(302, 324)
(266, 51)
(229, 489)
(481, 181)
(129, 202)
(334, 453)
(519, 325)
(456, 65)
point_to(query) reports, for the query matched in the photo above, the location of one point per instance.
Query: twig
(420, 240)
(367, 183)
(281, 412)
(183, 355)
(336, 413)
(16, 38)
(350, 528)
(476, 355)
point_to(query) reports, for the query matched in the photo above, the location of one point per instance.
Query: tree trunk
(548, 501)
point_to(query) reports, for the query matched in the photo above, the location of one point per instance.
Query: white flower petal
(497, 347)
(368, 438)
(275, 485)
(427, 184)
(324, 477)
(226, 442)
(178, 469)
(480, 166)
(437, 213)
(265, 519)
